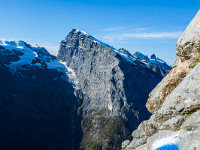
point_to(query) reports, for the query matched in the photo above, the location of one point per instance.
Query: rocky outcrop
(175, 102)
(114, 85)
(188, 52)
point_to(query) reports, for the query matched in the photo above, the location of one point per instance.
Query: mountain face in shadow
(92, 96)
(37, 102)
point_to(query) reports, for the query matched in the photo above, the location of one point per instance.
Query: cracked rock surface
(175, 102)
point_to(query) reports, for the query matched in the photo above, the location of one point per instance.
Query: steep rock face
(188, 52)
(175, 121)
(114, 87)
(37, 102)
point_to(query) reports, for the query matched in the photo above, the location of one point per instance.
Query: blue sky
(148, 26)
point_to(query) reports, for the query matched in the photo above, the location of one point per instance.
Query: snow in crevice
(71, 75)
(62, 67)
(36, 55)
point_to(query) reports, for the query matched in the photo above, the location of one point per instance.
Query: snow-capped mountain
(138, 59)
(37, 102)
(25, 55)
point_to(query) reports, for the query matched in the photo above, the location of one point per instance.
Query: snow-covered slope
(23, 56)
(37, 102)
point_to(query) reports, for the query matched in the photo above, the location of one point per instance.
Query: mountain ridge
(103, 86)
(112, 83)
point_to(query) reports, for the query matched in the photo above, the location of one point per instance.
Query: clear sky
(148, 26)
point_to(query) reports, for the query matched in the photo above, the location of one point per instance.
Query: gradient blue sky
(148, 26)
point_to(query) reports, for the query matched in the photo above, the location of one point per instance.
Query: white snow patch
(24, 59)
(73, 78)
(36, 55)
(121, 53)
(77, 30)
(27, 58)
(61, 67)
(55, 64)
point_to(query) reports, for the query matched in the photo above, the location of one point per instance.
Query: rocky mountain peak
(141, 55)
(114, 86)
(153, 56)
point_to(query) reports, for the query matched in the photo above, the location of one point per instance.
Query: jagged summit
(153, 56)
(140, 55)
(137, 59)
(75, 33)
(153, 62)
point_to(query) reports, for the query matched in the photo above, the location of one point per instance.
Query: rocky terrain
(114, 86)
(93, 97)
(37, 102)
(175, 102)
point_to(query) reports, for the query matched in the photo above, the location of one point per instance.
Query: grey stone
(175, 102)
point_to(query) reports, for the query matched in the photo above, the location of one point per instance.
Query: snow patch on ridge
(121, 53)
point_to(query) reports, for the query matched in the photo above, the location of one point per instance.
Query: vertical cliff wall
(114, 85)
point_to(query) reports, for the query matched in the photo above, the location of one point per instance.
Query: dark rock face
(37, 106)
(115, 86)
